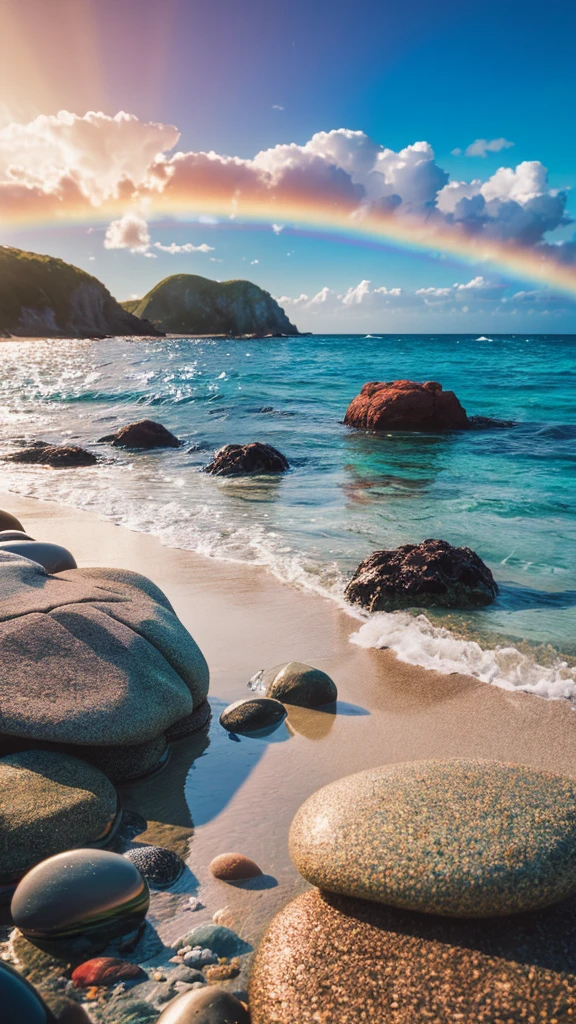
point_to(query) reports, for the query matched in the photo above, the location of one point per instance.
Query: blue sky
(238, 79)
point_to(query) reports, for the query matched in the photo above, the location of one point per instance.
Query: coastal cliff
(41, 295)
(189, 304)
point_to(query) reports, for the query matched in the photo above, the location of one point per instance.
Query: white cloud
(356, 296)
(130, 232)
(481, 147)
(65, 162)
(175, 249)
(277, 228)
(276, 106)
(252, 262)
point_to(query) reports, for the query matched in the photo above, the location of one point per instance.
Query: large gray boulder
(91, 658)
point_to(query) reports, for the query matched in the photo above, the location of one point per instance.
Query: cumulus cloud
(175, 249)
(130, 232)
(65, 162)
(481, 147)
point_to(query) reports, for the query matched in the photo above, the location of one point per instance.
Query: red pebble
(106, 970)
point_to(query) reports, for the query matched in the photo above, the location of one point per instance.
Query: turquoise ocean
(508, 494)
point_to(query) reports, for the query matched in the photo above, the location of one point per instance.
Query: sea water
(509, 494)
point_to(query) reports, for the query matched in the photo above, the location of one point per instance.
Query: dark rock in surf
(57, 456)
(427, 575)
(247, 459)
(144, 434)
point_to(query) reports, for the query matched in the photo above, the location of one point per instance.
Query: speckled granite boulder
(52, 557)
(205, 1006)
(50, 802)
(105, 645)
(73, 904)
(247, 459)
(296, 683)
(252, 714)
(463, 838)
(333, 959)
(427, 575)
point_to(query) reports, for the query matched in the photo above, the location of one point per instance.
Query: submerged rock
(51, 557)
(159, 866)
(58, 456)
(231, 867)
(50, 802)
(252, 714)
(247, 459)
(331, 958)
(222, 941)
(73, 904)
(463, 838)
(426, 575)
(205, 1006)
(9, 522)
(296, 683)
(406, 405)
(119, 665)
(106, 970)
(143, 434)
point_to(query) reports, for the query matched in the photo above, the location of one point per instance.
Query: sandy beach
(218, 794)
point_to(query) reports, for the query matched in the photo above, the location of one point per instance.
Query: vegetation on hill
(42, 295)
(189, 304)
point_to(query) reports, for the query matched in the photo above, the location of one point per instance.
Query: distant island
(44, 296)
(189, 304)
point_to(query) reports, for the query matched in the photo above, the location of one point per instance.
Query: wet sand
(219, 794)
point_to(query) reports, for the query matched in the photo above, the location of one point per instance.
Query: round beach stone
(252, 714)
(119, 666)
(232, 867)
(19, 1001)
(296, 683)
(205, 1006)
(51, 557)
(50, 802)
(14, 535)
(75, 902)
(159, 866)
(460, 837)
(333, 959)
(9, 522)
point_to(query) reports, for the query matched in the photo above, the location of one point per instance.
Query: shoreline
(216, 795)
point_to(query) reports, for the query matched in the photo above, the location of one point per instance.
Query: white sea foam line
(417, 642)
(413, 638)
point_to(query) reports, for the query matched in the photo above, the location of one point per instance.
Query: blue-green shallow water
(509, 494)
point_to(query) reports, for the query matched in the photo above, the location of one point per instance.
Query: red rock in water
(405, 405)
(106, 970)
(231, 867)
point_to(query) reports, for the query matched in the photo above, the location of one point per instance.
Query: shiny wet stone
(51, 557)
(19, 1001)
(465, 838)
(296, 683)
(73, 904)
(252, 714)
(331, 959)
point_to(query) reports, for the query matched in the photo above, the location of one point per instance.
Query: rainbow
(338, 220)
